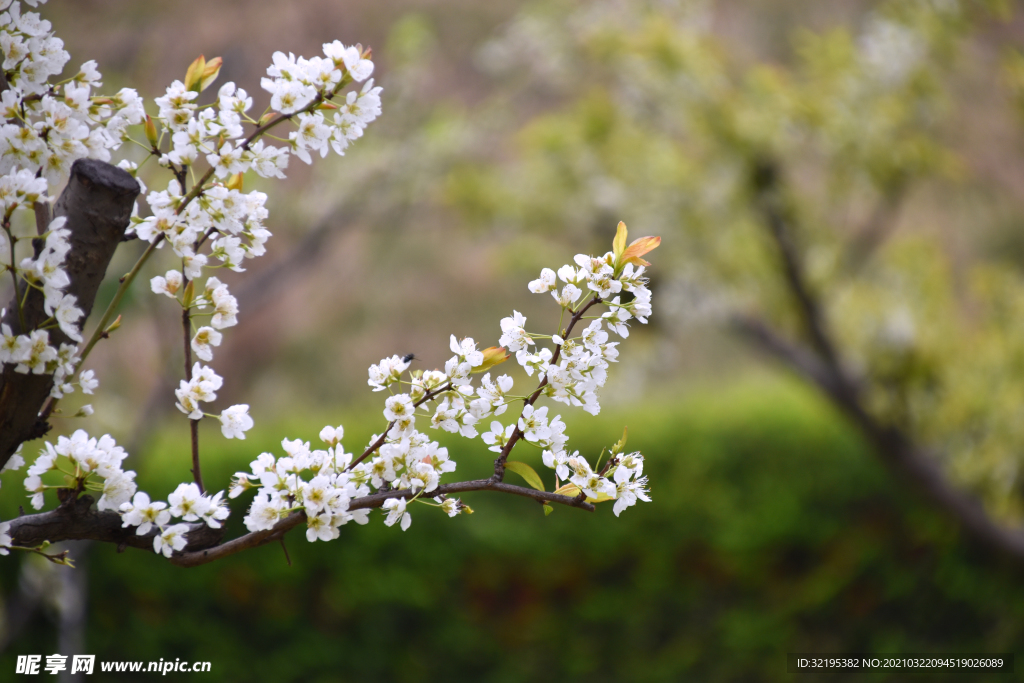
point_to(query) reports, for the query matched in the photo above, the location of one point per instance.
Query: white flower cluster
(229, 221)
(322, 483)
(32, 352)
(294, 83)
(232, 218)
(64, 122)
(185, 503)
(316, 481)
(50, 126)
(582, 365)
(578, 369)
(46, 128)
(88, 457)
(202, 388)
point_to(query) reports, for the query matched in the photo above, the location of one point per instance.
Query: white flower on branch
(170, 539)
(117, 490)
(187, 502)
(203, 342)
(215, 219)
(545, 283)
(142, 513)
(235, 421)
(396, 513)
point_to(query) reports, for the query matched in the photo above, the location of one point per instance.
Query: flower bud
(190, 294)
(210, 72)
(151, 131)
(621, 444)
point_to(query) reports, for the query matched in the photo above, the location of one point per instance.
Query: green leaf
(621, 445)
(548, 509)
(526, 472)
(619, 243)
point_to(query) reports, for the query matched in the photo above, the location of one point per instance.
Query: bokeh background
(515, 135)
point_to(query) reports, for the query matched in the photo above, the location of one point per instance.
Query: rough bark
(97, 202)
(77, 519)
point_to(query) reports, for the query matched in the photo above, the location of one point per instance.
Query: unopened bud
(210, 72)
(190, 294)
(151, 131)
(618, 447)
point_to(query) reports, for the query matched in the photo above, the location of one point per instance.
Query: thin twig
(186, 324)
(383, 437)
(769, 200)
(499, 462)
(879, 226)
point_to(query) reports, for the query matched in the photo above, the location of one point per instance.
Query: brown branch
(258, 538)
(43, 216)
(823, 368)
(499, 462)
(896, 449)
(97, 202)
(76, 519)
(770, 202)
(877, 230)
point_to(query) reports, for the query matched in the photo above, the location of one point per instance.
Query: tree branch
(879, 226)
(823, 368)
(895, 448)
(76, 520)
(499, 462)
(97, 202)
(770, 201)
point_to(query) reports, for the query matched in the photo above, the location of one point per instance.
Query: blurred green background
(515, 135)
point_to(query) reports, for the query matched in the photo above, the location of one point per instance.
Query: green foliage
(781, 534)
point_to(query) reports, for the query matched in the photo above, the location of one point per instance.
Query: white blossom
(235, 421)
(396, 513)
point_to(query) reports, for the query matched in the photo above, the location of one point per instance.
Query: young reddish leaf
(638, 248)
(210, 72)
